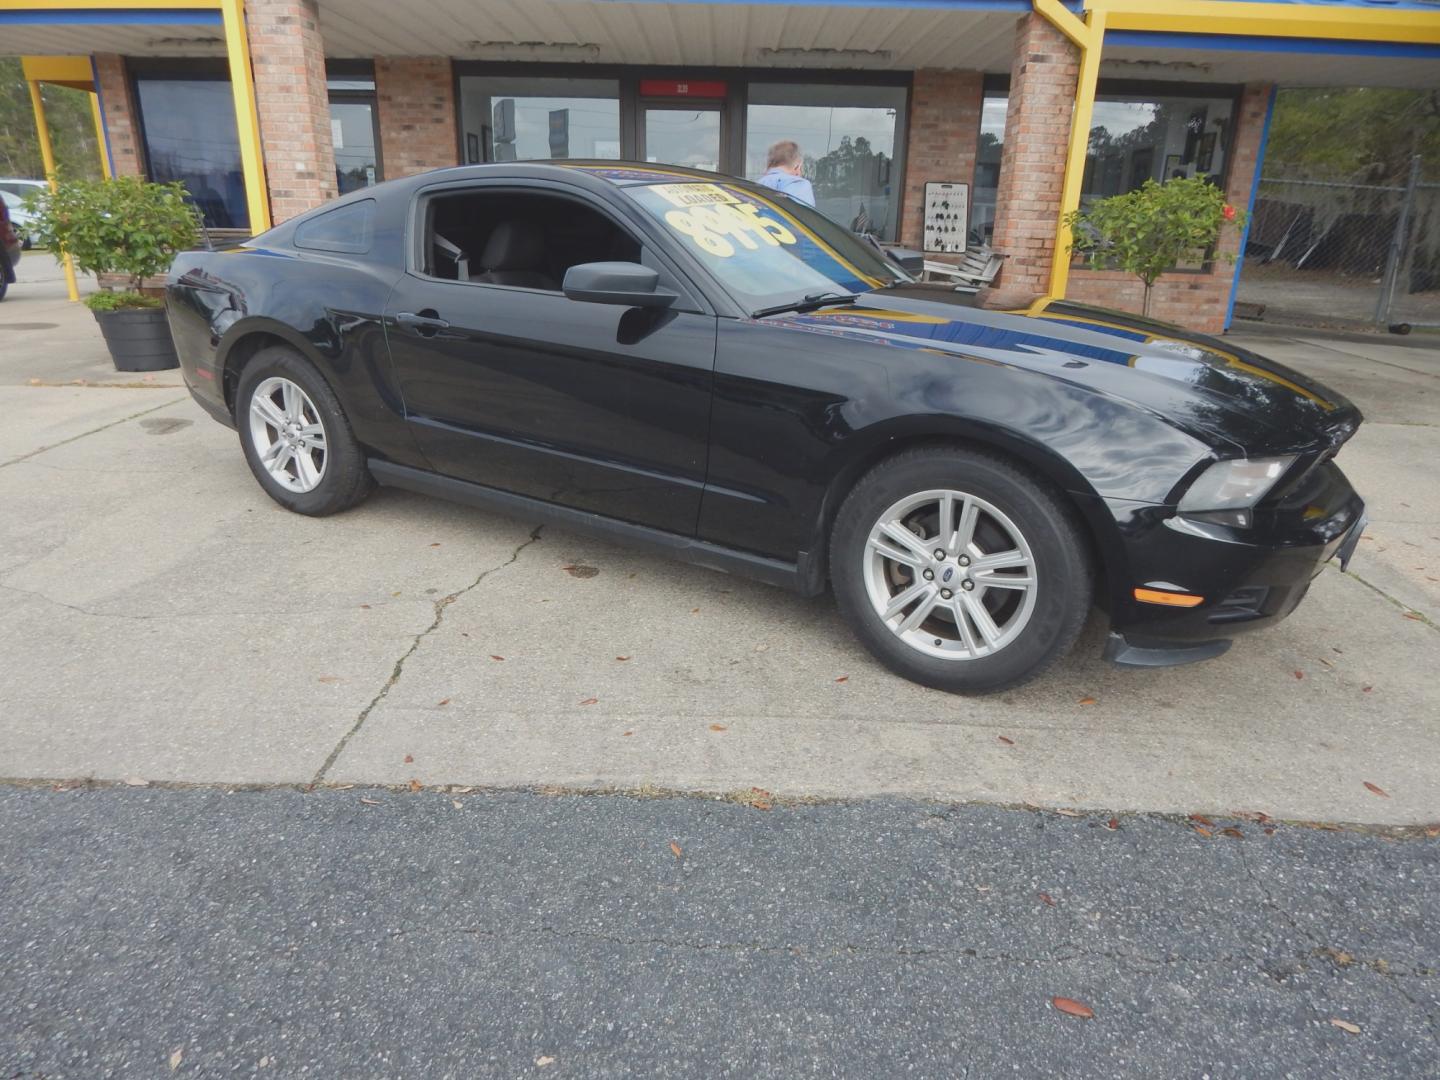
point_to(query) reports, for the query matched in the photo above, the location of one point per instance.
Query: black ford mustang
(703, 367)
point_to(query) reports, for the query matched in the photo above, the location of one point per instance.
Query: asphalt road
(374, 933)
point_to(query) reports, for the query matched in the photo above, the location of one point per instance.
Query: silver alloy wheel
(288, 434)
(950, 575)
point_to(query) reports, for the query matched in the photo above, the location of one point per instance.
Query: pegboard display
(947, 216)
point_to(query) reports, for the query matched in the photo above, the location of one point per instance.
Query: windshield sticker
(708, 226)
(693, 194)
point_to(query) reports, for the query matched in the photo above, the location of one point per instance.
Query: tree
(1365, 135)
(1148, 231)
(70, 119)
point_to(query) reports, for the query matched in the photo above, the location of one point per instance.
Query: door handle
(425, 323)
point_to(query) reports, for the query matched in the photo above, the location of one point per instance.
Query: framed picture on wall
(472, 148)
(1173, 168)
(1205, 156)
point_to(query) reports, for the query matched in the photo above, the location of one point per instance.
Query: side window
(524, 239)
(346, 228)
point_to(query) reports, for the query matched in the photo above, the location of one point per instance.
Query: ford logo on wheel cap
(948, 574)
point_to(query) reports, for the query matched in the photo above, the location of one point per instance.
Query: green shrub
(122, 226)
(1148, 231)
(120, 301)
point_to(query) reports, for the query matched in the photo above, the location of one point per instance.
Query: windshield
(765, 249)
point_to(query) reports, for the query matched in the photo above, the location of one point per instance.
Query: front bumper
(1249, 578)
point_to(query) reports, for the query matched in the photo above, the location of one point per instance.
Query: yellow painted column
(1079, 143)
(247, 120)
(100, 134)
(47, 156)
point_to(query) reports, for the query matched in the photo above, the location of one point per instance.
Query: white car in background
(13, 190)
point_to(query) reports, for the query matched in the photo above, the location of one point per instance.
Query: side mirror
(625, 283)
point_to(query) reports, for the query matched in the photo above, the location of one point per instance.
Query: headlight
(1228, 488)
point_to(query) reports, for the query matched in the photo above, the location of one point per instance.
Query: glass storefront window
(189, 130)
(1134, 139)
(852, 138)
(539, 118)
(987, 168)
(353, 130)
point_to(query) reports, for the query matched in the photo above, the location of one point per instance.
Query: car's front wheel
(296, 438)
(959, 570)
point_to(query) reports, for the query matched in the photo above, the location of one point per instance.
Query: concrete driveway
(161, 619)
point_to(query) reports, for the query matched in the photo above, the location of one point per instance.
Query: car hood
(1224, 394)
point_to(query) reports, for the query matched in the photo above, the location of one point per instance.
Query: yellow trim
(47, 157)
(247, 120)
(107, 5)
(71, 71)
(1066, 21)
(1086, 81)
(1353, 23)
(100, 135)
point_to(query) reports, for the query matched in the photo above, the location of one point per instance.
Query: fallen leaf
(694, 610)
(461, 790)
(1413, 615)
(1366, 689)
(329, 678)
(1087, 701)
(843, 678)
(1432, 831)
(1203, 831)
(1007, 742)
(1374, 790)
(1068, 813)
(544, 1060)
(627, 733)
(591, 701)
(137, 781)
(442, 702)
(414, 784)
(580, 571)
(675, 848)
(1201, 819)
(1045, 896)
(365, 606)
(434, 545)
(1233, 833)
(622, 658)
(456, 803)
(394, 594)
(1073, 1008)
(1269, 831)
(718, 727)
(1327, 663)
(1113, 824)
(409, 759)
(371, 802)
(1345, 1025)
(494, 657)
(1341, 957)
(177, 1054)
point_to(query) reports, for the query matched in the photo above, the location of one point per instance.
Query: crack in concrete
(86, 434)
(268, 614)
(1417, 616)
(399, 669)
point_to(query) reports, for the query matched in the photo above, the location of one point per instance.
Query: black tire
(345, 479)
(1062, 572)
(4, 276)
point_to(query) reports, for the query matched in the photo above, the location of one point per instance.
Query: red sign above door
(683, 88)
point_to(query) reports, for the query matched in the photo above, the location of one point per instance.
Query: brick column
(416, 98)
(1196, 300)
(287, 57)
(943, 134)
(121, 129)
(1043, 74)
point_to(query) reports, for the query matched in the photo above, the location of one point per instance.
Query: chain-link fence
(1328, 251)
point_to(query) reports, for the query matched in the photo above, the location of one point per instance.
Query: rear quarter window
(347, 229)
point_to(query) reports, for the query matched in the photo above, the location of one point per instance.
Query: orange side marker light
(1168, 599)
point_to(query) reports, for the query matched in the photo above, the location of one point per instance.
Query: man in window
(783, 166)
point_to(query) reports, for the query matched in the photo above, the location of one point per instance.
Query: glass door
(687, 134)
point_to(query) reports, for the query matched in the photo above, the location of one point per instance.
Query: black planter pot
(139, 340)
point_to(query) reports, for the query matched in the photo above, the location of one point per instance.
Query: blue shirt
(797, 187)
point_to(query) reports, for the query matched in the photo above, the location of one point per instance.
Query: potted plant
(129, 227)
(1150, 230)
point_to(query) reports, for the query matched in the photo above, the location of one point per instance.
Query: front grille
(1240, 605)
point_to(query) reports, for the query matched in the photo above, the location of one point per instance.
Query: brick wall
(1197, 301)
(943, 133)
(416, 98)
(1043, 73)
(287, 57)
(121, 123)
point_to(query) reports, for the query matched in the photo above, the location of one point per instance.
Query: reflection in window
(189, 127)
(529, 119)
(352, 129)
(850, 137)
(987, 168)
(1137, 139)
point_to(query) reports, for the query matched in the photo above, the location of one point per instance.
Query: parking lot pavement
(374, 933)
(162, 619)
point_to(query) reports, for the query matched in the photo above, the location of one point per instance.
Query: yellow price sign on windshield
(712, 226)
(693, 194)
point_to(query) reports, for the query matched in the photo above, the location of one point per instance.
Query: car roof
(615, 172)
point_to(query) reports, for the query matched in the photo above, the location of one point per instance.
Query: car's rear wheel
(960, 570)
(295, 435)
